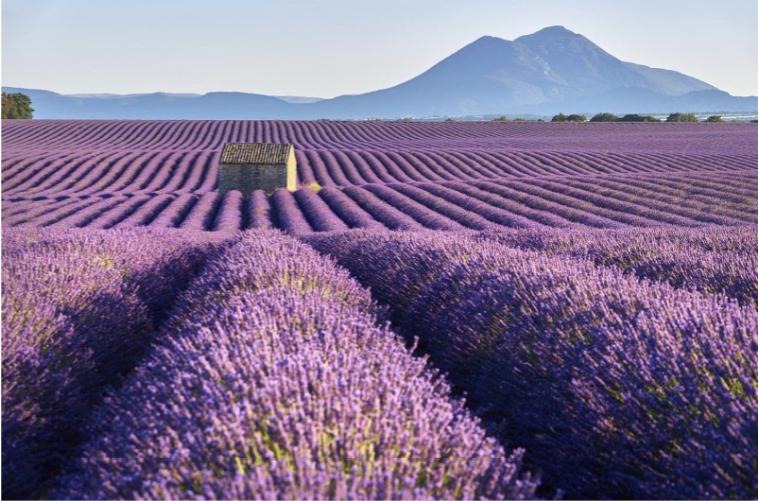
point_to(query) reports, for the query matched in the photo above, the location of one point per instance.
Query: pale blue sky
(332, 47)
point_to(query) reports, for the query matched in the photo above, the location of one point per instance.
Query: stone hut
(257, 166)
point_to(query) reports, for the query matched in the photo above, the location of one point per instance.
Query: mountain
(669, 82)
(549, 71)
(485, 75)
(590, 70)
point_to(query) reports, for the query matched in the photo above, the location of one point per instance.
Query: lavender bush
(79, 309)
(712, 259)
(288, 214)
(616, 387)
(258, 210)
(274, 381)
(230, 213)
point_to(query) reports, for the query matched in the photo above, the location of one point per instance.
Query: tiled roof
(255, 153)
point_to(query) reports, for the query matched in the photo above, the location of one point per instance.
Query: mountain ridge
(551, 70)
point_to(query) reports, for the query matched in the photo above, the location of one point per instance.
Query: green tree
(560, 117)
(576, 118)
(604, 117)
(714, 118)
(500, 119)
(634, 117)
(16, 106)
(681, 117)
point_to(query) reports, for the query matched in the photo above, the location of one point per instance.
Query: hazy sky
(332, 47)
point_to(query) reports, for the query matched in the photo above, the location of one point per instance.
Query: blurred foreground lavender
(275, 381)
(616, 387)
(79, 310)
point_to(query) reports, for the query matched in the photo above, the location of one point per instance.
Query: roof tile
(255, 153)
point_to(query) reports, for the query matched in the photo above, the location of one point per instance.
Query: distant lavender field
(476, 175)
(441, 311)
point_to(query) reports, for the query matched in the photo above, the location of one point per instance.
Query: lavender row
(380, 210)
(541, 203)
(79, 309)
(476, 205)
(617, 388)
(519, 211)
(321, 217)
(275, 382)
(349, 210)
(408, 206)
(230, 214)
(646, 206)
(466, 217)
(120, 172)
(17, 213)
(258, 210)
(730, 142)
(482, 205)
(289, 216)
(734, 194)
(158, 214)
(710, 260)
(88, 173)
(202, 214)
(125, 210)
(556, 194)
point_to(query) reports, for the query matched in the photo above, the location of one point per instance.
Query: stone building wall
(249, 177)
(246, 168)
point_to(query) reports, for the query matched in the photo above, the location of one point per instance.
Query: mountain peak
(488, 38)
(552, 35)
(548, 34)
(553, 31)
(487, 41)
(582, 64)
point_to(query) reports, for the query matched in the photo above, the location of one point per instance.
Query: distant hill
(546, 72)
(299, 99)
(159, 105)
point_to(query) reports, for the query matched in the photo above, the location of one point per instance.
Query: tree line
(16, 106)
(634, 117)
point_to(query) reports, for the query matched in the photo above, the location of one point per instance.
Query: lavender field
(449, 310)
(448, 176)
